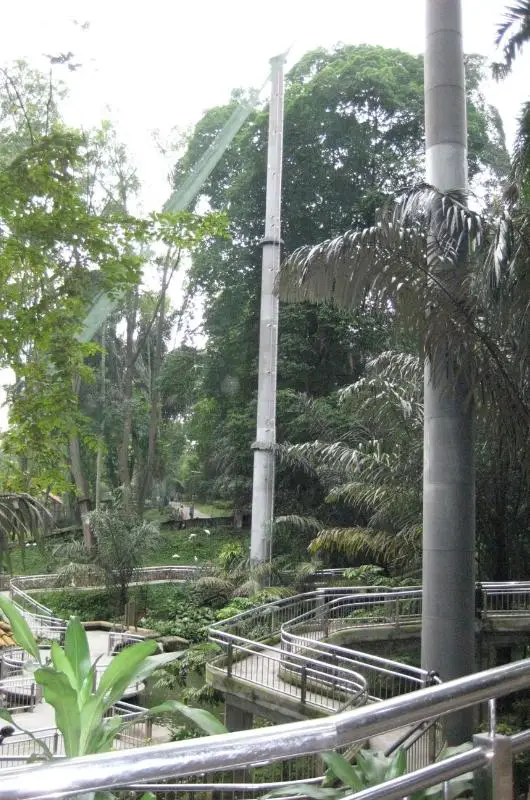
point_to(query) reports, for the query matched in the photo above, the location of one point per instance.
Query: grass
(37, 560)
(200, 546)
(30, 560)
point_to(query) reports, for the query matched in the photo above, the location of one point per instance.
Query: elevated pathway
(287, 659)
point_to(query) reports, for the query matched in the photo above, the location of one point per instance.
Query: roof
(6, 635)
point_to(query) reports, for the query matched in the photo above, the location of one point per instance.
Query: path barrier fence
(189, 766)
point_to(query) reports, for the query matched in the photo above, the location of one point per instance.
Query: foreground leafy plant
(69, 684)
(371, 769)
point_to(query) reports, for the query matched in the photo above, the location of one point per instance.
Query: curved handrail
(304, 622)
(301, 623)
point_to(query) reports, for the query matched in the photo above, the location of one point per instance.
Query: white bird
(207, 532)
(175, 555)
(196, 558)
(192, 536)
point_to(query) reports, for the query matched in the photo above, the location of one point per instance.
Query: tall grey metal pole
(448, 635)
(263, 480)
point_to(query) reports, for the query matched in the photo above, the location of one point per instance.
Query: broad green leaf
(87, 686)
(76, 649)
(91, 716)
(122, 671)
(373, 766)
(204, 720)
(59, 694)
(342, 770)
(21, 630)
(61, 664)
(103, 737)
(157, 661)
(398, 765)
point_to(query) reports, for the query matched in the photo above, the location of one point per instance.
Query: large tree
(353, 136)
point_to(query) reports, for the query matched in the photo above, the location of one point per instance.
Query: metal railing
(489, 758)
(21, 747)
(19, 693)
(120, 639)
(171, 572)
(309, 682)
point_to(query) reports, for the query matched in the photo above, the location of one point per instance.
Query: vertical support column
(264, 457)
(494, 782)
(235, 718)
(448, 617)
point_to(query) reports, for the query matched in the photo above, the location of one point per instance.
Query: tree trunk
(99, 457)
(123, 454)
(83, 498)
(145, 485)
(448, 628)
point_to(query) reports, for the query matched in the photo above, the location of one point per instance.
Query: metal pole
(448, 631)
(263, 481)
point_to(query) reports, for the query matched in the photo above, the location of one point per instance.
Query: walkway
(309, 666)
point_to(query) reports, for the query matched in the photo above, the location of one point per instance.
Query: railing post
(495, 781)
(303, 684)
(229, 658)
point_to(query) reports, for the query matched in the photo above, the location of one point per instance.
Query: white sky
(161, 64)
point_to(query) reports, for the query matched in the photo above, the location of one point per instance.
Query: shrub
(189, 621)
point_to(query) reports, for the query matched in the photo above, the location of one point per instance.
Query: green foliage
(87, 605)
(68, 684)
(211, 591)
(122, 541)
(365, 575)
(23, 521)
(201, 549)
(373, 768)
(353, 112)
(185, 619)
(231, 555)
(61, 246)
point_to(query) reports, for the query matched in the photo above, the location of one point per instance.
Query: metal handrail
(172, 572)
(243, 748)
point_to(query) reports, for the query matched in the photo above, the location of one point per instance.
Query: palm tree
(479, 322)
(371, 468)
(512, 34)
(460, 281)
(22, 519)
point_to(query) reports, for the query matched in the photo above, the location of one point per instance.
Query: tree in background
(353, 136)
(68, 235)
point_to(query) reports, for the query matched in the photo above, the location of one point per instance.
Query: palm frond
(450, 275)
(422, 232)
(22, 518)
(392, 551)
(297, 524)
(516, 23)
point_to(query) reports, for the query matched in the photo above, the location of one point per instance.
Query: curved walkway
(291, 648)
